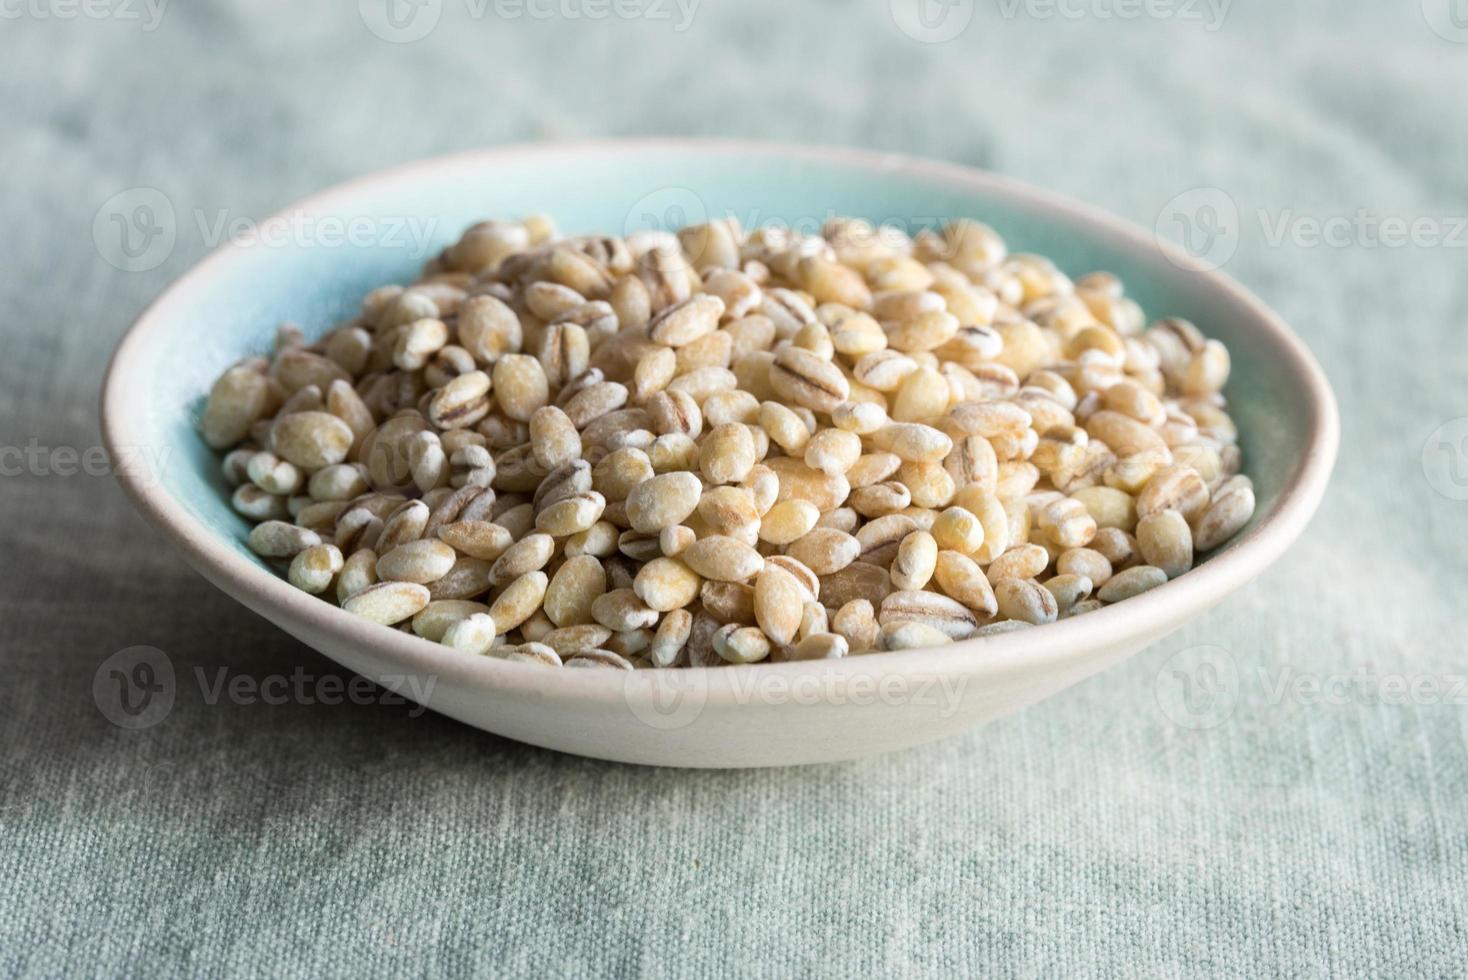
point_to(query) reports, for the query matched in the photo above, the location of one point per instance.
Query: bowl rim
(1056, 643)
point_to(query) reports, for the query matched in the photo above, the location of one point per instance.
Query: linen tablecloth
(1302, 819)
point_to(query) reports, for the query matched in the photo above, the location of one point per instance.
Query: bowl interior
(334, 248)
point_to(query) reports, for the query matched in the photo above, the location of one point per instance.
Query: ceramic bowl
(759, 715)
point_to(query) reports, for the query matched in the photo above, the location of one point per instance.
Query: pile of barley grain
(718, 447)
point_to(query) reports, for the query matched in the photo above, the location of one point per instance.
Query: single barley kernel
(917, 557)
(665, 584)
(723, 559)
(1068, 590)
(519, 600)
(663, 501)
(600, 660)
(477, 539)
(821, 646)
(311, 440)
(469, 577)
(779, 598)
(313, 569)
(671, 637)
(741, 644)
(913, 442)
(929, 483)
(571, 515)
(1067, 523)
(880, 499)
(960, 577)
(825, 550)
(529, 554)
(833, 451)
(728, 602)
(805, 379)
(570, 640)
(238, 399)
(572, 590)
(1086, 562)
(910, 635)
(931, 609)
(856, 622)
(528, 653)
(358, 571)
(474, 634)
(1165, 540)
(277, 539)
(813, 620)
(435, 618)
(728, 511)
(1131, 582)
(787, 521)
(1178, 488)
(1024, 561)
(923, 394)
(273, 474)
(1226, 516)
(1026, 601)
(727, 454)
(682, 324)
(422, 561)
(388, 602)
(537, 626)
(1116, 546)
(957, 529)
(673, 541)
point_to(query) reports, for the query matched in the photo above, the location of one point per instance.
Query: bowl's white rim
(1067, 640)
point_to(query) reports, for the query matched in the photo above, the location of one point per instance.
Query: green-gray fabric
(1092, 834)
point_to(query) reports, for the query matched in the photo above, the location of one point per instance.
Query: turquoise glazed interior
(230, 308)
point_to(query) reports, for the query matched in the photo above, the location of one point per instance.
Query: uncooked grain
(724, 446)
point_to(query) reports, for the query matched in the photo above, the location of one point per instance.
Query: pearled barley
(731, 446)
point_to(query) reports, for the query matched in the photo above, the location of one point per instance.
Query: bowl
(382, 228)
